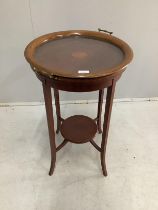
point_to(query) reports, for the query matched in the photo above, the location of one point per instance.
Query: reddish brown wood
(82, 85)
(100, 103)
(57, 105)
(62, 119)
(107, 115)
(61, 145)
(79, 85)
(78, 53)
(98, 52)
(50, 121)
(95, 145)
(78, 129)
(57, 59)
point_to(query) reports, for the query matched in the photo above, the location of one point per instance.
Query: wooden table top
(76, 54)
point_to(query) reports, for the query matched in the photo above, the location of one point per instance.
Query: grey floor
(77, 183)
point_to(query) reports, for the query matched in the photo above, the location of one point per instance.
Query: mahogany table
(78, 61)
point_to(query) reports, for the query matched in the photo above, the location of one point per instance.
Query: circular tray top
(78, 129)
(76, 54)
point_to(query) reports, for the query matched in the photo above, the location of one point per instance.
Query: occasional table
(78, 61)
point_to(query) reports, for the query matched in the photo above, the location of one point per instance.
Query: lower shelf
(78, 129)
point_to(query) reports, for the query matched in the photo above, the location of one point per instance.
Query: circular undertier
(78, 129)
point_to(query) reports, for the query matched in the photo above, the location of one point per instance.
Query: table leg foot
(52, 167)
(103, 164)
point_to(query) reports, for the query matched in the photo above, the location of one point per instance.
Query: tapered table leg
(100, 102)
(107, 115)
(57, 104)
(50, 121)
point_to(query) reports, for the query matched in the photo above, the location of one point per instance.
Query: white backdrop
(134, 21)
